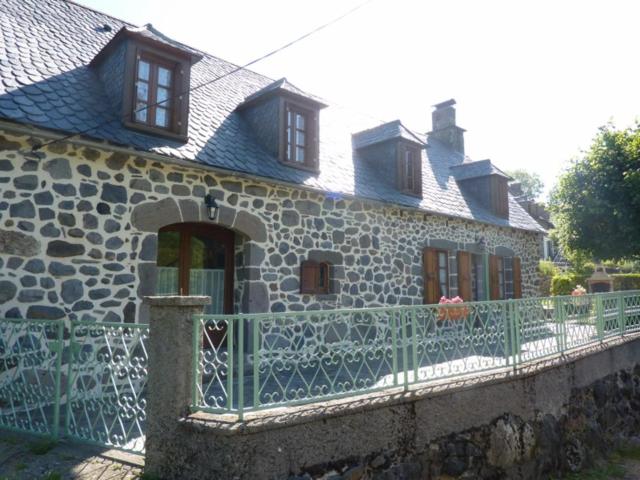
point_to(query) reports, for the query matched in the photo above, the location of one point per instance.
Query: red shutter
(517, 278)
(494, 283)
(309, 272)
(430, 275)
(464, 275)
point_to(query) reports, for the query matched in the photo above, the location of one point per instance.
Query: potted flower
(579, 304)
(451, 312)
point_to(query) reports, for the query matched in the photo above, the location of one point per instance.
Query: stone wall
(78, 236)
(542, 423)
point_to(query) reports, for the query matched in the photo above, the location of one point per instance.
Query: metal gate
(82, 380)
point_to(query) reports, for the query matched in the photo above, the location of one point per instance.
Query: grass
(20, 466)
(630, 453)
(607, 472)
(41, 447)
(52, 476)
(613, 469)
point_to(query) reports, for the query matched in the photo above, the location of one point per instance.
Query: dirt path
(26, 457)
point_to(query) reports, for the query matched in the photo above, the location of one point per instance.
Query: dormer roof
(149, 35)
(282, 87)
(385, 132)
(474, 169)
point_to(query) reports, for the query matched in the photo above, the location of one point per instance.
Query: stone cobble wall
(78, 236)
(597, 420)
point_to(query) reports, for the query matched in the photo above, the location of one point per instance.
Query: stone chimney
(444, 126)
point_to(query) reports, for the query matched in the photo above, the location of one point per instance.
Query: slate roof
(282, 85)
(479, 168)
(384, 132)
(46, 81)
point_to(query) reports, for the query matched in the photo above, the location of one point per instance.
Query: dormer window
(409, 170)
(154, 93)
(146, 76)
(300, 137)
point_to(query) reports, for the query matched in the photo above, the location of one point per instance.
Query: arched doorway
(197, 259)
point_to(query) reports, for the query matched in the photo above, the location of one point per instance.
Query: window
(314, 277)
(436, 273)
(443, 273)
(154, 93)
(409, 170)
(156, 97)
(300, 137)
(505, 277)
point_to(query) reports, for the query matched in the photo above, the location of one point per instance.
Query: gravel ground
(28, 457)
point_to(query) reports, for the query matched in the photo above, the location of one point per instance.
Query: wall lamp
(212, 206)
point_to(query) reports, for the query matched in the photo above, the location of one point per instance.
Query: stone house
(119, 179)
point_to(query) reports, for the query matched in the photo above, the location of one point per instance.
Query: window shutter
(494, 283)
(517, 278)
(430, 275)
(309, 273)
(464, 275)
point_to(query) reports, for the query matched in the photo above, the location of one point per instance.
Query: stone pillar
(170, 371)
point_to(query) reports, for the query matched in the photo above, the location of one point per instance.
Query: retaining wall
(553, 417)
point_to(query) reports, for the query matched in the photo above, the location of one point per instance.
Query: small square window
(314, 277)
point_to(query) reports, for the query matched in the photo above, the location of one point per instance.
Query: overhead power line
(213, 80)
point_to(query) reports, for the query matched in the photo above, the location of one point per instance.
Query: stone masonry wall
(78, 236)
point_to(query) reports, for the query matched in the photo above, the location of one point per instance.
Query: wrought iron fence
(105, 391)
(84, 380)
(30, 375)
(258, 361)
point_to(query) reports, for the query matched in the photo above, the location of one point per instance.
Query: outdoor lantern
(482, 243)
(212, 206)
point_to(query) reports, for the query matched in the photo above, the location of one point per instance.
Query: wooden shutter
(494, 283)
(464, 275)
(430, 263)
(517, 278)
(309, 273)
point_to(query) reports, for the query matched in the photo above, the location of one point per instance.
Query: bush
(626, 281)
(565, 283)
(547, 271)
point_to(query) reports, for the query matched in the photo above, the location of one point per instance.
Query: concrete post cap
(178, 300)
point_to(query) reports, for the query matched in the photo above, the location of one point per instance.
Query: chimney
(444, 126)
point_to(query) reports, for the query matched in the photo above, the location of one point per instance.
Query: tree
(531, 183)
(596, 203)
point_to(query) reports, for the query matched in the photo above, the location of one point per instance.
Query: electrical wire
(213, 80)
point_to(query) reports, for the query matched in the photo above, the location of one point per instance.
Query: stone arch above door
(152, 216)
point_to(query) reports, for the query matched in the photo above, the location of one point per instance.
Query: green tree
(531, 183)
(596, 203)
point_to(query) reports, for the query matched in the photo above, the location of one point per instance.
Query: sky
(533, 80)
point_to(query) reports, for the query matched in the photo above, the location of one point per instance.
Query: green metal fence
(258, 361)
(83, 380)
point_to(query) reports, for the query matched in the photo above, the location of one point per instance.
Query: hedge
(626, 281)
(565, 283)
